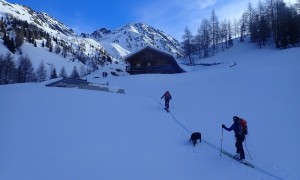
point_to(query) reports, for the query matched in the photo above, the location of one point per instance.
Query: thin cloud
(206, 4)
(173, 16)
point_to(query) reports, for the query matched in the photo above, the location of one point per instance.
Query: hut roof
(148, 47)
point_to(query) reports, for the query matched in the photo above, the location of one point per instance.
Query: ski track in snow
(264, 169)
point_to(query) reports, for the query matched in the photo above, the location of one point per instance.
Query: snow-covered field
(58, 133)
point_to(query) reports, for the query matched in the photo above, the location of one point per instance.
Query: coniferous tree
(187, 44)
(25, 71)
(271, 15)
(243, 27)
(236, 28)
(41, 72)
(63, 72)
(64, 51)
(1, 68)
(19, 38)
(263, 31)
(214, 25)
(224, 34)
(251, 22)
(5, 39)
(57, 49)
(48, 42)
(263, 26)
(294, 26)
(230, 41)
(53, 74)
(197, 43)
(9, 70)
(51, 48)
(2, 26)
(11, 45)
(282, 25)
(206, 40)
(83, 71)
(75, 73)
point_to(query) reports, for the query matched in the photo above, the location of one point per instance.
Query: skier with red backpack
(167, 97)
(240, 130)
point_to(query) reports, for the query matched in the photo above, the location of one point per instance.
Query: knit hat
(235, 118)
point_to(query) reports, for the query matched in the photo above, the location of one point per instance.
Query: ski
(167, 110)
(242, 162)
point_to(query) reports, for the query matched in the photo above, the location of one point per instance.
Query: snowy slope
(45, 24)
(58, 133)
(41, 19)
(39, 54)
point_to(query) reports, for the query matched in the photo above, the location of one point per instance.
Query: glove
(223, 126)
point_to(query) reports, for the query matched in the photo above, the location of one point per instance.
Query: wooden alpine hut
(151, 60)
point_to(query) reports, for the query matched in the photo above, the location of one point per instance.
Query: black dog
(194, 137)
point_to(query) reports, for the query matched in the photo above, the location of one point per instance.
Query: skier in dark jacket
(239, 135)
(167, 97)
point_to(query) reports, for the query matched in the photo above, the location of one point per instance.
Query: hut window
(148, 64)
(138, 65)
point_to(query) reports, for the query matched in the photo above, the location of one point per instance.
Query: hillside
(44, 39)
(58, 133)
(41, 19)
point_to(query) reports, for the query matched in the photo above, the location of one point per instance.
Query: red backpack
(167, 95)
(244, 126)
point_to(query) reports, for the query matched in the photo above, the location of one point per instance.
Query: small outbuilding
(150, 60)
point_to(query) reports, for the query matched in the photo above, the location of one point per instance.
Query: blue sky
(170, 16)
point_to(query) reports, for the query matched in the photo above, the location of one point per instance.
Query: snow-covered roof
(148, 47)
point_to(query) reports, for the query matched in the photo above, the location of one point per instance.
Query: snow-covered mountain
(40, 19)
(44, 39)
(134, 36)
(115, 43)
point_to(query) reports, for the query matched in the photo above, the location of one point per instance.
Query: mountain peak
(134, 36)
(41, 19)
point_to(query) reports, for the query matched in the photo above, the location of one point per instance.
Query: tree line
(15, 32)
(211, 37)
(270, 21)
(23, 71)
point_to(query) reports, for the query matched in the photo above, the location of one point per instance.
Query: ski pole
(248, 150)
(160, 104)
(172, 104)
(221, 143)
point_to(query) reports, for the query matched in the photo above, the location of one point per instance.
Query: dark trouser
(167, 103)
(239, 146)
